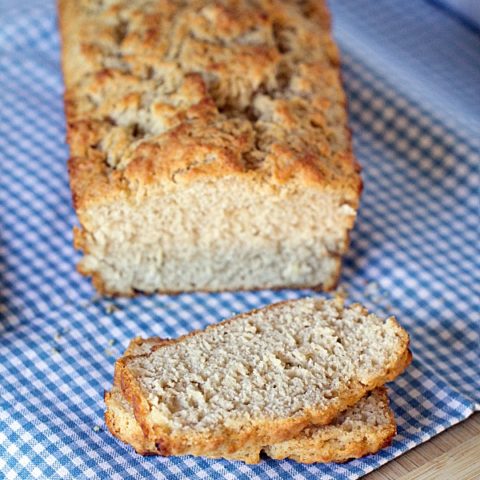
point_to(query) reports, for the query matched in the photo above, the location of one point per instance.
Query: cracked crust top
(164, 92)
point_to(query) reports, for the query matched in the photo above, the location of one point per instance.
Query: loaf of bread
(209, 147)
(364, 428)
(256, 380)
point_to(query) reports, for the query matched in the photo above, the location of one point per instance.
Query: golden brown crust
(164, 94)
(124, 426)
(140, 346)
(261, 432)
(119, 416)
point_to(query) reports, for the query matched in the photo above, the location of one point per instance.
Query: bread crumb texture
(262, 378)
(202, 132)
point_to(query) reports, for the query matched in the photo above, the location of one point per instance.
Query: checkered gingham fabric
(412, 74)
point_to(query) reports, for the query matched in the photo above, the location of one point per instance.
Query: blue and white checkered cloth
(412, 74)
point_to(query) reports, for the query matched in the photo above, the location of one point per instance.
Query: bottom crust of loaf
(332, 275)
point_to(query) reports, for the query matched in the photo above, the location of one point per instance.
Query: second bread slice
(262, 377)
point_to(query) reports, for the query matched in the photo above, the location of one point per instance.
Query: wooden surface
(452, 455)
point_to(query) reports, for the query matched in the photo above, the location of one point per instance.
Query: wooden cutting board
(452, 455)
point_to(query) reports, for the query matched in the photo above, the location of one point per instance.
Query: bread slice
(363, 429)
(209, 144)
(260, 378)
